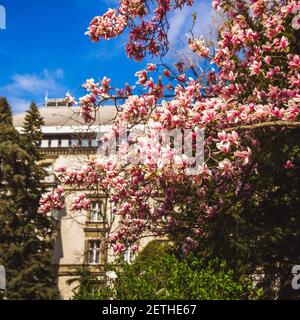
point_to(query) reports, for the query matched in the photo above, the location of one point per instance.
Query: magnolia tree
(191, 137)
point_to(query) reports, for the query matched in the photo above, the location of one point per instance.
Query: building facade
(68, 142)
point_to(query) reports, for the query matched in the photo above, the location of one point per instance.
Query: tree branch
(288, 124)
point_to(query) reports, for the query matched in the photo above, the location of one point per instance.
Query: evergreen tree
(33, 131)
(26, 237)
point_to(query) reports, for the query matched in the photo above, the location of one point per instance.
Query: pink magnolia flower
(292, 112)
(134, 248)
(142, 75)
(288, 165)
(118, 248)
(255, 68)
(81, 203)
(245, 155)
(133, 7)
(151, 67)
(204, 170)
(167, 73)
(267, 59)
(209, 115)
(233, 137)
(52, 201)
(107, 26)
(296, 6)
(294, 61)
(226, 166)
(224, 146)
(134, 49)
(70, 100)
(198, 47)
(296, 22)
(222, 135)
(216, 4)
(182, 78)
(283, 43)
(179, 65)
(257, 7)
(278, 113)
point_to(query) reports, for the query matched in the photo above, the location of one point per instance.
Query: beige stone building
(68, 142)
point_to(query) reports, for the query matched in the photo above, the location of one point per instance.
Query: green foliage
(166, 276)
(88, 287)
(5, 112)
(258, 229)
(26, 237)
(32, 130)
(153, 250)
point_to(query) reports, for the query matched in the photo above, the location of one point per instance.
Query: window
(44, 143)
(50, 177)
(94, 252)
(49, 169)
(85, 143)
(129, 256)
(65, 143)
(96, 212)
(74, 142)
(54, 143)
(95, 143)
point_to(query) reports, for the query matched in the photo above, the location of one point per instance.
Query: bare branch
(287, 124)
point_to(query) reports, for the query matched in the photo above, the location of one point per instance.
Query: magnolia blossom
(52, 201)
(167, 73)
(255, 68)
(87, 110)
(143, 76)
(217, 4)
(224, 146)
(133, 7)
(245, 155)
(81, 203)
(70, 100)
(281, 43)
(288, 165)
(119, 248)
(254, 85)
(294, 61)
(136, 105)
(296, 22)
(151, 67)
(226, 166)
(199, 47)
(107, 26)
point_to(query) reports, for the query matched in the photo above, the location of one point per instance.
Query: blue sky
(44, 48)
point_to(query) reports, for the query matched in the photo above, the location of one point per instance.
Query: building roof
(58, 119)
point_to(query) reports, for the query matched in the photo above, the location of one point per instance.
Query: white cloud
(18, 105)
(181, 21)
(27, 87)
(178, 23)
(35, 83)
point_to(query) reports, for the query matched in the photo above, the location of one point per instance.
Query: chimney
(60, 102)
